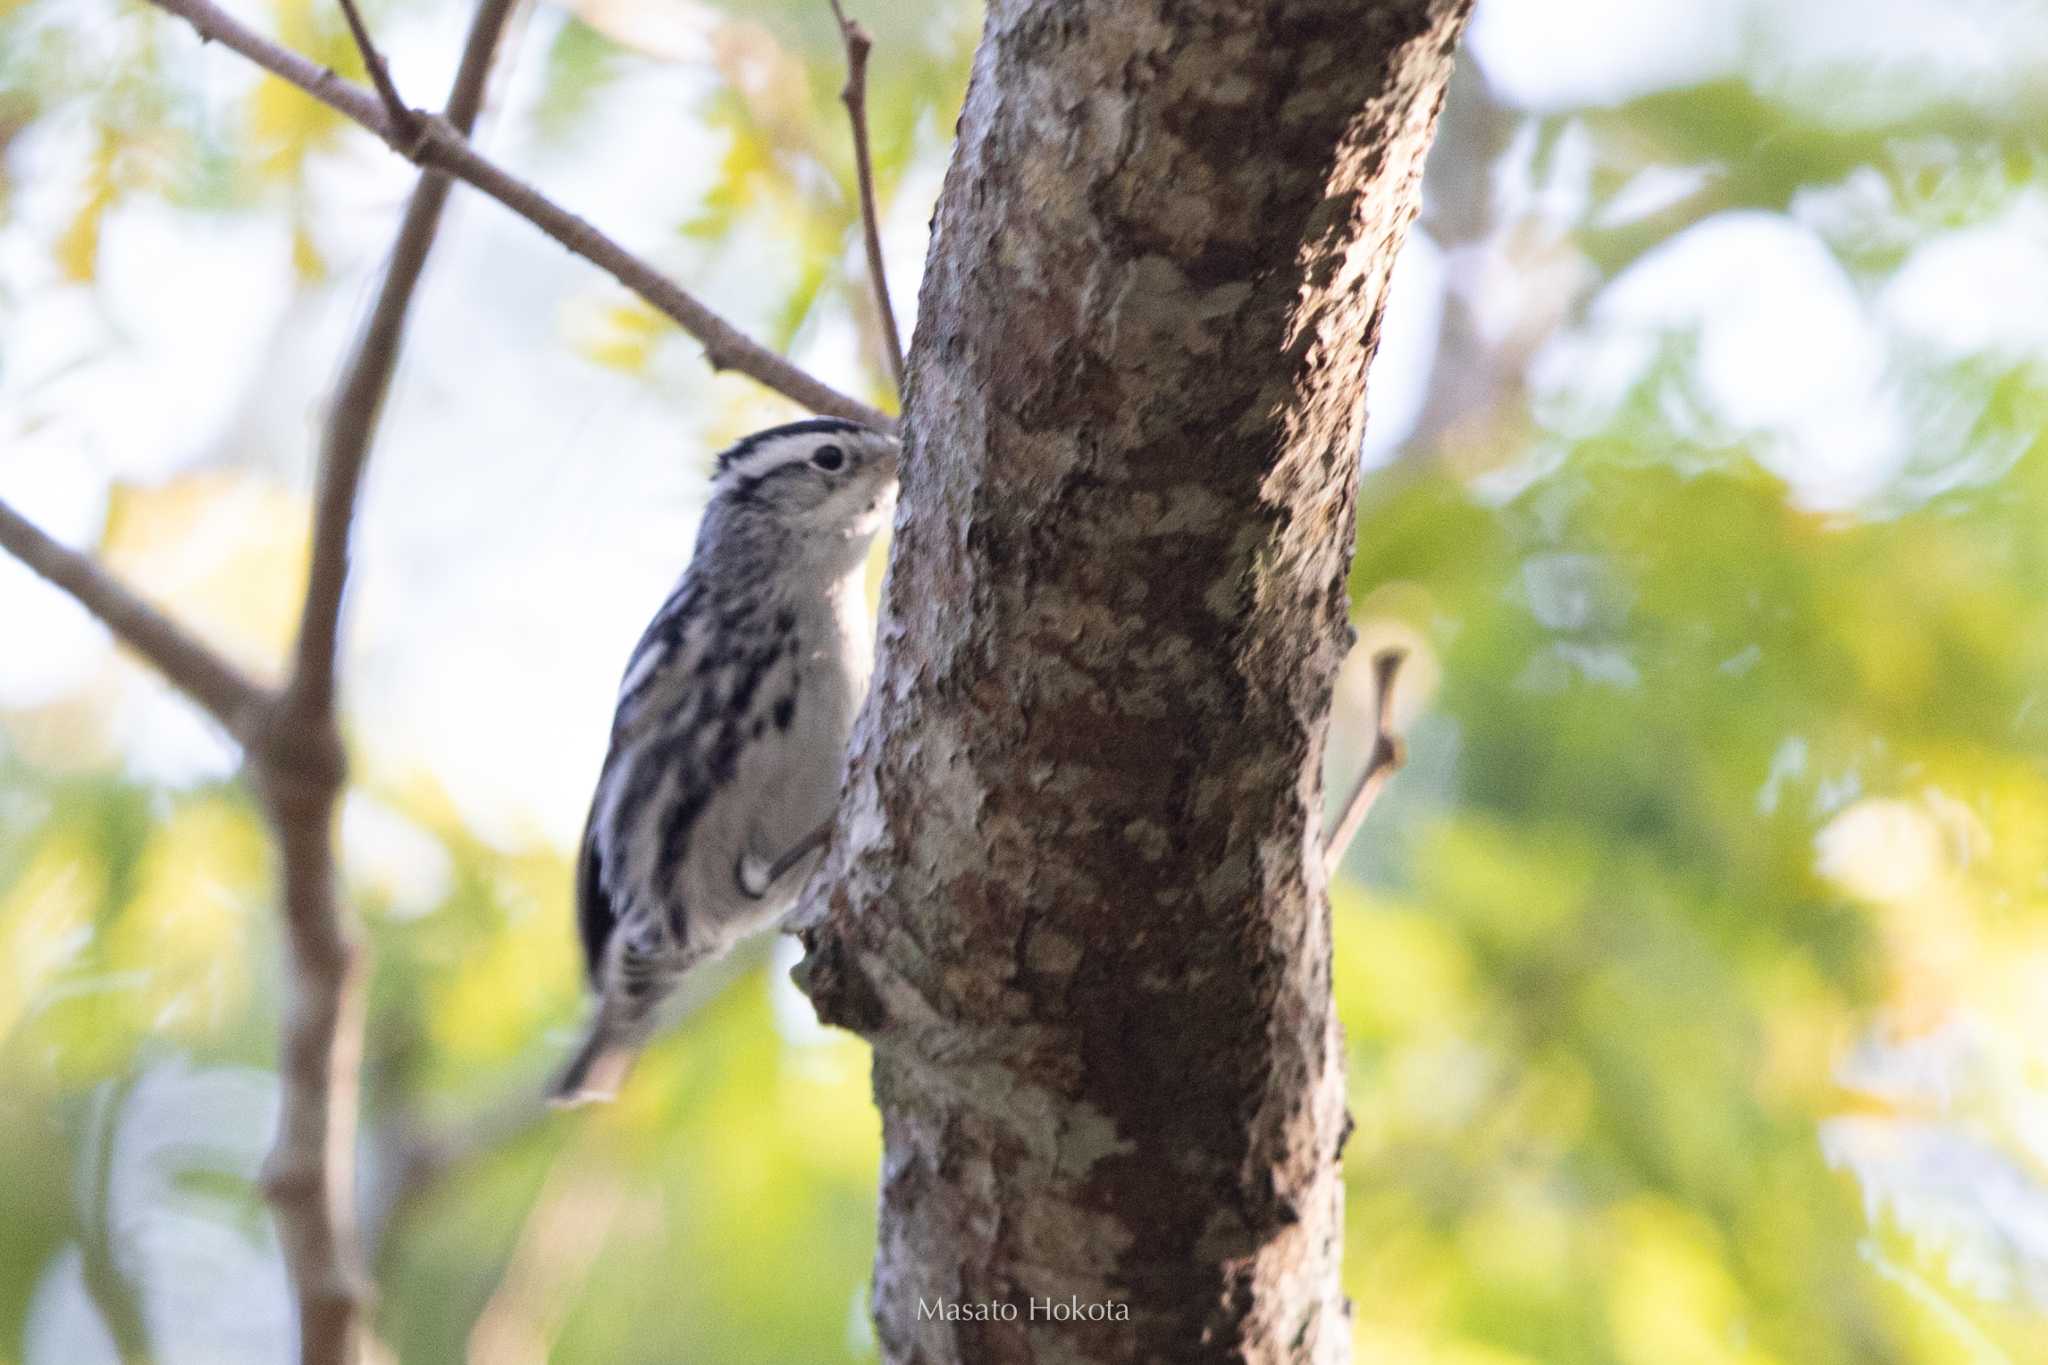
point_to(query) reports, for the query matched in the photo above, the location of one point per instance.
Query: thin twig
(1388, 753)
(400, 113)
(224, 691)
(442, 147)
(725, 346)
(359, 399)
(299, 770)
(855, 96)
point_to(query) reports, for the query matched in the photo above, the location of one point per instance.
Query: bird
(730, 731)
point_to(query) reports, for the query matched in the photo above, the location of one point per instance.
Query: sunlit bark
(1076, 899)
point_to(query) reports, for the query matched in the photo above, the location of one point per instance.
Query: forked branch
(299, 771)
(395, 107)
(293, 752)
(291, 737)
(435, 143)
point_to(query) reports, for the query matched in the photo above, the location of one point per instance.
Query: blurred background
(1695, 970)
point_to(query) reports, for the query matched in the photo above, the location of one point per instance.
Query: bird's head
(829, 482)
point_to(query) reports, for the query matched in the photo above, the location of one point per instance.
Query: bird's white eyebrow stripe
(759, 462)
(741, 456)
(769, 461)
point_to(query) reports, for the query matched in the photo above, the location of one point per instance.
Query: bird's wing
(656, 732)
(662, 662)
(663, 658)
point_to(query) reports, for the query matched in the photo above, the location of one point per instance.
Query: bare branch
(395, 108)
(226, 693)
(441, 146)
(309, 1175)
(359, 400)
(299, 769)
(855, 97)
(1388, 754)
(725, 346)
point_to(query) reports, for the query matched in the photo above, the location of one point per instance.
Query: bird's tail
(595, 1072)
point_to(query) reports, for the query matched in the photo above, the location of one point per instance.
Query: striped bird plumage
(730, 727)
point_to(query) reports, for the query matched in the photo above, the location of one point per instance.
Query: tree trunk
(1076, 900)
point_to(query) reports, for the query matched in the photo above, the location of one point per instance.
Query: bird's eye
(828, 458)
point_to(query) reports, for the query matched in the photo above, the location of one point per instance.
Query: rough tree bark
(1075, 899)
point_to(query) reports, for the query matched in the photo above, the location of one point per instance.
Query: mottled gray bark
(1075, 899)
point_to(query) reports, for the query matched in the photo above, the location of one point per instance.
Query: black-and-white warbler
(731, 728)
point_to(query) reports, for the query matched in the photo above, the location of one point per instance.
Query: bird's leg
(806, 846)
(756, 877)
